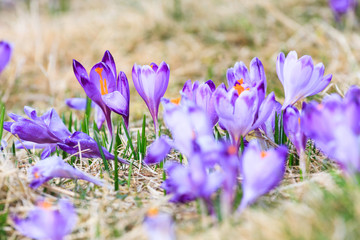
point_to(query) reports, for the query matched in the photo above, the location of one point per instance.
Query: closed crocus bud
(151, 82)
(5, 54)
(341, 7)
(299, 77)
(293, 130)
(47, 221)
(261, 170)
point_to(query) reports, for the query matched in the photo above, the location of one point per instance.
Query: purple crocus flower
(48, 222)
(299, 77)
(262, 171)
(80, 104)
(292, 128)
(39, 131)
(159, 225)
(151, 82)
(53, 167)
(187, 183)
(109, 91)
(81, 142)
(191, 131)
(334, 125)
(202, 95)
(240, 112)
(5, 54)
(341, 7)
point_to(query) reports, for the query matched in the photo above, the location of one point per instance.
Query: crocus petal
(43, 222)
(116, 102)
(158, 150)
(53, 167)
(292, 128)
(5, 54)
(77, 103)
(109, 61)
(105, 80)
(159, 226)
(80, 72)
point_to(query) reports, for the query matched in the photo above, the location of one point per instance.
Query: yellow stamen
(263, 154)
(238, 86)
(176, 100)
(103, 85)
(152, 212)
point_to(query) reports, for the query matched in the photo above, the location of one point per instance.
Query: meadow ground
(199, 40)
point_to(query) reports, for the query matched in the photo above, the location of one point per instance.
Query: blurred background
(198, 39)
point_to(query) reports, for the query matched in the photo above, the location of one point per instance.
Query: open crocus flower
(80, 143)
(187, 183)
(299, 77)
(159, 225)
(151, 82)
(39, 131)
(80, 104)
(202, 95)
(46, 221)
(239, 111)
(341, 7)
(53, 167)
(241, 78)
(191, 131)
(261, 170)
(334, 127)
(5, 54)
(109, 91)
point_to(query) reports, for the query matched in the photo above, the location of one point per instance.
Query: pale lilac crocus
(151, 82)
(299, 77)
(107, 89)
(262, 171)
(80, 104)
(159, 225)
(5, 54)
(202, 94)
(56, 167)
(46, 221)
(334, 125)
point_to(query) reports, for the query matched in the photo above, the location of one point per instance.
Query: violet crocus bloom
(191, 131)
(80, 104)
(299, 77)
(187, 183)
(46, 221)
(334, 127)
(240, 112)
(81, 142)
(55, 167)
(151, 82)
(292, 128)
(341, 7)
(108, 90)
(202, 94)
(5, 54)
(261, 171)
(39, 131)
(159, 225)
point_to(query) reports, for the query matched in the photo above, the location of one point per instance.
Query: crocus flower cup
(151, 82)
(299, 77)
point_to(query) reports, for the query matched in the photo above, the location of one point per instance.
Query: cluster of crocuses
(212, 163)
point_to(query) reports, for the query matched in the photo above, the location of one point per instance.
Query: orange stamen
(263, 154)
(231, 150)
(299, 120)
(176, 100)
(238, 86)
(152, 212)
(45, 205)
(319, 106)
(103, 85)
(36, 175)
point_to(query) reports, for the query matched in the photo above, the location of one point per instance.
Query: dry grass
(209, 38)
